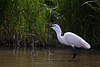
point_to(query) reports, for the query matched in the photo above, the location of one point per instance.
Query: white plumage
(75, 40)
(70, 38)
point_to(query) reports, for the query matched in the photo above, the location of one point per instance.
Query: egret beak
(50, 25)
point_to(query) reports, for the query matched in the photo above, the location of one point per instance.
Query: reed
(95, 22)
(23, 22)
(83, 20)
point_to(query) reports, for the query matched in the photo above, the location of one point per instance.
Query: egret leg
(74, 53)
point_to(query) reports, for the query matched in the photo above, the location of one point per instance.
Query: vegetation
(83, 20)
(24, 22)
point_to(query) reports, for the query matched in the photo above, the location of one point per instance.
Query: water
(48, 58)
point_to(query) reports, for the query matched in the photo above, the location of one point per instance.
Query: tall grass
(83, 20)
(23, 22)
(95, 22)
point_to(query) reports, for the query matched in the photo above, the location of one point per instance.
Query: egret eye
(54, 25)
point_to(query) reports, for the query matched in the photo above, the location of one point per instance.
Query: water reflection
(47, 58)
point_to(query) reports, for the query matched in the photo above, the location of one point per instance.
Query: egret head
(57, 28)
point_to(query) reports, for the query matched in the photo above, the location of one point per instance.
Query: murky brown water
(43, 58)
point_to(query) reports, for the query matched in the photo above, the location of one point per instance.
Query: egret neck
(60, 38)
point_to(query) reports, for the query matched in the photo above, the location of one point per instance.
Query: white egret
(70, 39)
